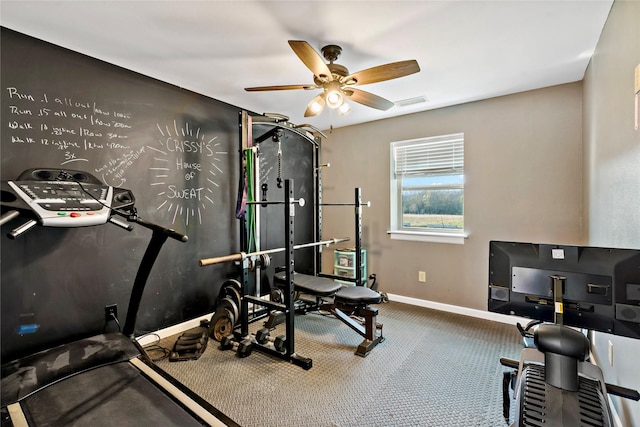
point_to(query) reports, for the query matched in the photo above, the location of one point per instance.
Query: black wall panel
(177, 151)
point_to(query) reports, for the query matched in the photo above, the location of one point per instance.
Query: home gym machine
(302, 293)
(313, 288)
(564, 289)
(287, 290)
(242, 340)
(106, 379)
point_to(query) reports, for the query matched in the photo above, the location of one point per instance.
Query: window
(427, 189)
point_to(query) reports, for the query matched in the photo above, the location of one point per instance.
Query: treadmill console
(65, 198)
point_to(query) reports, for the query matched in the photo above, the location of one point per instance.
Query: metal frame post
(358, 237)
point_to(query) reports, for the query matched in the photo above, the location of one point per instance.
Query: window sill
(428, 236)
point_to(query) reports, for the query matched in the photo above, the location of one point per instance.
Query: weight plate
(231, 291)
(277, 295)
(227, 302)
(222, 324)
(234, 283)
(265, 260)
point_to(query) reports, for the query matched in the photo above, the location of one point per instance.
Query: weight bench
(344, 302)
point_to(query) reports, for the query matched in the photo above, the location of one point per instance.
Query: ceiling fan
(336, 82)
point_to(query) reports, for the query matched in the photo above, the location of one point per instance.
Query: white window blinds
(440, 155)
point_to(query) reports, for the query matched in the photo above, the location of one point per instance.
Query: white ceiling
(467, 50)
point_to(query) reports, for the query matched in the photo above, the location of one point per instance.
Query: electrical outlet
(110, 312)
(422, 276)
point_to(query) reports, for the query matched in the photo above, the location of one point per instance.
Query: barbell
(300, 202)
(367, 204)
(243, 255)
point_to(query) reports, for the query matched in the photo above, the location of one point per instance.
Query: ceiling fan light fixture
(316, 106)
(334, 98)
(344, 108)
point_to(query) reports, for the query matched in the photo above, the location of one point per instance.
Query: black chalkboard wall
(177, 151)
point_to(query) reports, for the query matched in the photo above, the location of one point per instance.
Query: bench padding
(308, 284)
(325, 287)
(357, 295)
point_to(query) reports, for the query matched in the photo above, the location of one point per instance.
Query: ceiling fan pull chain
(279, 179)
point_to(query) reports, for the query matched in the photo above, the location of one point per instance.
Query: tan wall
(612, 174)
(523, 182)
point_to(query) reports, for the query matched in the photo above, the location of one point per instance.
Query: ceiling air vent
(411, 101)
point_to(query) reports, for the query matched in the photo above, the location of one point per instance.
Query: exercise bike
(115, 382)
(566, 290)
(554, 383)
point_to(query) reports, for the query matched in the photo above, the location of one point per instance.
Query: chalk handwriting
(15, 110)
(115, 169)
(65, 123)
(13, 93)
(185, 158)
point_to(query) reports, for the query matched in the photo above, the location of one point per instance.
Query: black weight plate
(228, 303)
(231, 291)
(234, 283)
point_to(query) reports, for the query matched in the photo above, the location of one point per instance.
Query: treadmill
(107, 379)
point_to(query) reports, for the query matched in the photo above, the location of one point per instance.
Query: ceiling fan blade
(368, 99)
(284, 87)
(384, 72)
(311, 59)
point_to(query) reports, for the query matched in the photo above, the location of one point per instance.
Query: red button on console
(75, 214)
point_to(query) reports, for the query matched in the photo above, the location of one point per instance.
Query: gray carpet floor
(433, 369)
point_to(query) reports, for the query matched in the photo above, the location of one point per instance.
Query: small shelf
(344, 264)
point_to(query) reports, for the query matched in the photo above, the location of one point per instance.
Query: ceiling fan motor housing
(331, 52)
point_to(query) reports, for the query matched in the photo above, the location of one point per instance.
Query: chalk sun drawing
(186, 168)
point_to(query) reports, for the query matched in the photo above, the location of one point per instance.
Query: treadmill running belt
(113, 395)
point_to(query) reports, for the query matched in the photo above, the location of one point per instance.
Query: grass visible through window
(451, 222)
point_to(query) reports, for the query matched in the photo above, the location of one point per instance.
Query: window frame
(397, 230)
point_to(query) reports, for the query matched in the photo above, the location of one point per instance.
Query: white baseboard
(481, 314)
(152, 337)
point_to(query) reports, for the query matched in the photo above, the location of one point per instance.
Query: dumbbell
(191, 340)
(264, 335)
(242, 348)
(194, 335)
(188, 346)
